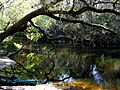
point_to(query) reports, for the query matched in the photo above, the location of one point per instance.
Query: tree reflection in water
(77, 63)
(71, 64)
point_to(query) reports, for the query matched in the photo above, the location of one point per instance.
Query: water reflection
(95, 65)
(71, 63)
(66, 78)
(96, 75)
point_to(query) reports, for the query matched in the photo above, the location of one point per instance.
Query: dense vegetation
(91, 23)
(30, 31)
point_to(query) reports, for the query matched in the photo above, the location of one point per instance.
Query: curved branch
(89, 8)
(22, 22)
(82, 22)
(11, 54)
(70, 21)
(52, 68)
(43, 11)
(46, 35)
(39, 28)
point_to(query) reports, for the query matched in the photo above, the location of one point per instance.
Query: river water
(99, 66)
(69, 64)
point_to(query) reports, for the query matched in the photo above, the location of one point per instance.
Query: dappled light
(60, 44)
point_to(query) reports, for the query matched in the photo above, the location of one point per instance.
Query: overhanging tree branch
(39, 28)
(46, 35)
(82, 22)
(43, 11)
(22, 22)
(89, 8)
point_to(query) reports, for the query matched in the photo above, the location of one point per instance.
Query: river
(69, 64)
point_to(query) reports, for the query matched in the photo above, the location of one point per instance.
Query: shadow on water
(93, 72)
(70, 64)
(98, 66)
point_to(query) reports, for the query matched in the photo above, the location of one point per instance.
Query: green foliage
(112, 64)
(8, 45)
(15, 10)
(104, 19)
(33, 34)
(3, 22)
(17, 45)
(32, 61)
(43, 21)
(37, 63)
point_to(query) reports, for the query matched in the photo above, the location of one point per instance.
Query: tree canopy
(58, 10)
(27, 25)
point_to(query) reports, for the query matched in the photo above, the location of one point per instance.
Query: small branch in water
(10, 55)
(52, 68)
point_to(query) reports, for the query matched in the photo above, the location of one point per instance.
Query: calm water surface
(98, 66)
(70, 64)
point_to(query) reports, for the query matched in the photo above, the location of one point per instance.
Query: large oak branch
(16, 27)
(21, 24)
(83, 23)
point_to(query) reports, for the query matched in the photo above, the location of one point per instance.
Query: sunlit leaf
(17, 45)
